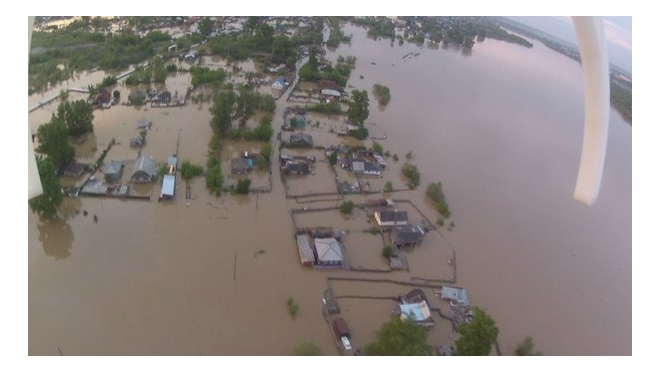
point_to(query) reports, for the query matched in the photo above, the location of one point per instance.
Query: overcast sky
(618, 31)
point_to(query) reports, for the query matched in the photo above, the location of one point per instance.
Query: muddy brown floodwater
(501, 128)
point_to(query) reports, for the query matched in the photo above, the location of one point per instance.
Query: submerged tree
(526, 348)
(399, 338)
(54, 142)
(307, 349)
(222, 109)
(77, 116)
(47, 203)
(477, 336)
(358, 108)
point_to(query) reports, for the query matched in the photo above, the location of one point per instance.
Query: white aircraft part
(34, 181)
(595, 67)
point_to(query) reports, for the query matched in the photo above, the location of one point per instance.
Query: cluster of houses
(317, 249)
(361, 162)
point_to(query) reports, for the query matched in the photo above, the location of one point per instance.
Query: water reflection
(56, 238)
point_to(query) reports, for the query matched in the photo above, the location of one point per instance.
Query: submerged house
(301, 140)
(328, 251)
(145, 170)
(74, 169)
(241, 165)
(457, 296)
(414, 306)
(113, 170)
(103, 97)
(407, 236)
(296, 168)
(389, 218)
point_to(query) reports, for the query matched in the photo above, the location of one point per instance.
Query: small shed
(305, 250)
(330, 93)
(455, 295)
(279, 84)
(144, 124)
(169, 184)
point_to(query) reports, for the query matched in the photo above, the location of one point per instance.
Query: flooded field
(211, 275)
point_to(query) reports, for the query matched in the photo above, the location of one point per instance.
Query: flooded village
(141, 261)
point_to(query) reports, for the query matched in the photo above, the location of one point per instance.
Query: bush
(307, 349)
(346, 207)
(388, 187)
(333, 158)
(378, 148)
(387, 251)
(361, 134)
(382, 93)
(243, 186)
(189, 170)
(411, 172)
(395, 157)
(293, 306)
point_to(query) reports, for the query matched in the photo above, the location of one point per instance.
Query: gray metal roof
(113, 168)
(305, 250)
(147, 165)
(328, 249)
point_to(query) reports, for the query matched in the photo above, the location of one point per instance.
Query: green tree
(411, 172)
(251, 24)
(526, 348)
(346, 207)
(333, 158)
(47, 203)
(307, 349)
(223, 105)
(264, 37)
(477, 336)
(358, 107)
(160, 73)
(77, 116)
(214, 177)
(388, 187)
(265, 151)
(246, 105)
(205, 26)
(54, 142)
(399, 338)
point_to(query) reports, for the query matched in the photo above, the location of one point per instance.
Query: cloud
(617, 35)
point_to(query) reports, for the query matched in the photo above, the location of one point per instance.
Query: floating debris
(84, 212)
(96, 219)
